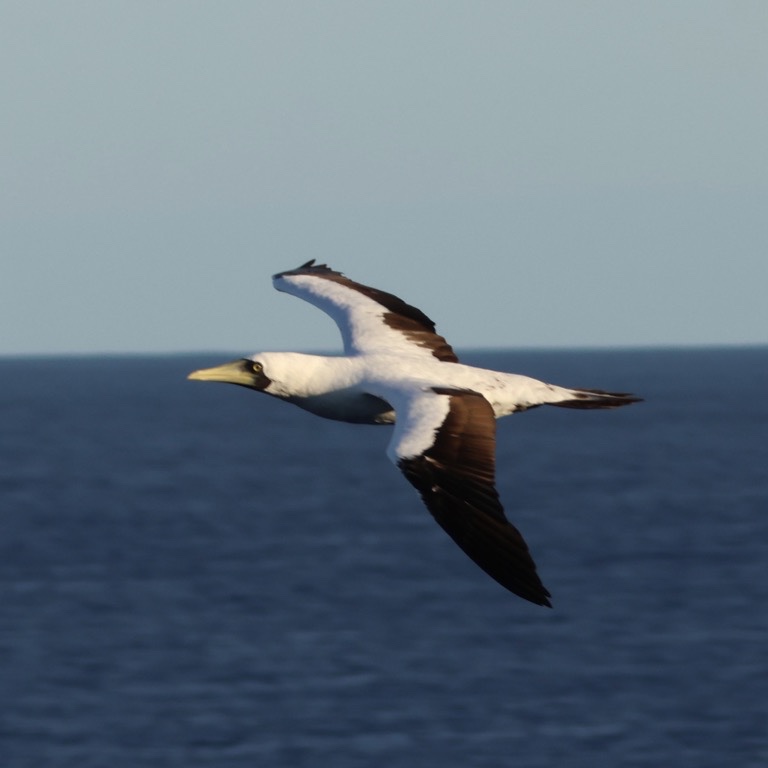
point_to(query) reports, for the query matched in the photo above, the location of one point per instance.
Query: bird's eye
(256, 367)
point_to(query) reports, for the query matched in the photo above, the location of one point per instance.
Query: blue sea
(197, 575)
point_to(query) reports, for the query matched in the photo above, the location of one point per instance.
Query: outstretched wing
(444, 443)
(369, 320)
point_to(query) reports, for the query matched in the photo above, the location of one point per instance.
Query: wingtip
(597, 399)
(537, 596)
(310, 267)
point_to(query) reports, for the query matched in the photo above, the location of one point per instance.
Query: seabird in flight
(398, 370)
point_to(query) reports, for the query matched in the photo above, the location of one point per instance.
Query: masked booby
(398, 370)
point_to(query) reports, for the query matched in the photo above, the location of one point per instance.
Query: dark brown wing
(455, 477)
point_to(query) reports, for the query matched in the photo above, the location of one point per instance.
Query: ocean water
(196, 575)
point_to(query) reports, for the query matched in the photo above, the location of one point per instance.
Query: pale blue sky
(527, 173)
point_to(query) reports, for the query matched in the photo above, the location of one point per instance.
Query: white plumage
(397, 369)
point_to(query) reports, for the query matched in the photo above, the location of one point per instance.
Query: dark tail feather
(597, 398)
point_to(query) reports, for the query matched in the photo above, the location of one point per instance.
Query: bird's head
(245, 372)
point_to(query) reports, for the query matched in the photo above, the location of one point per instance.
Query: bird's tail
(593, 398)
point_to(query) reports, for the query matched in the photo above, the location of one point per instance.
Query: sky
(529, 174)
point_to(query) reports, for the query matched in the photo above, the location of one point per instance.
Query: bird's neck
(295, 374)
